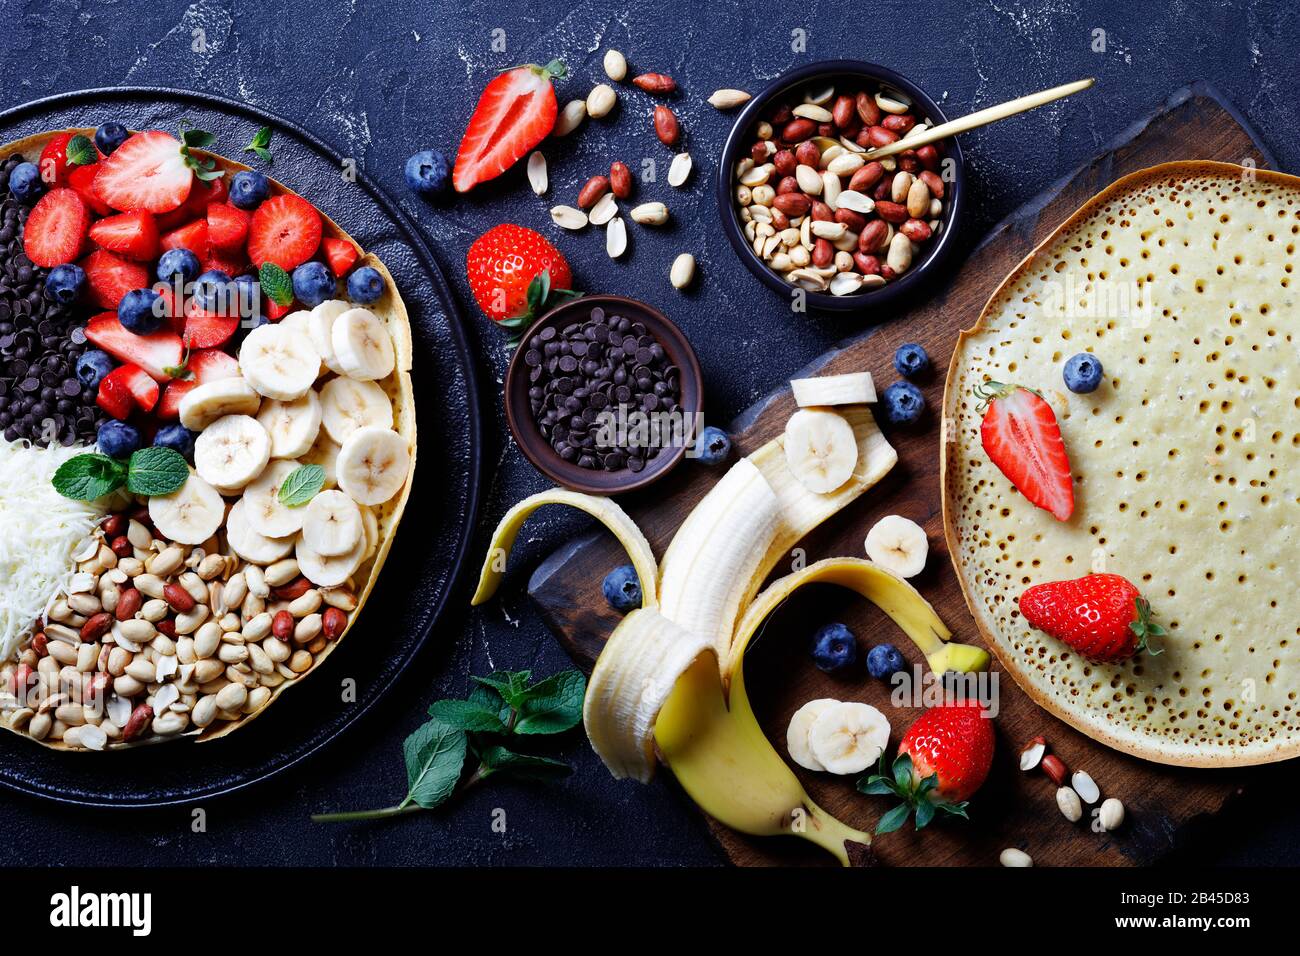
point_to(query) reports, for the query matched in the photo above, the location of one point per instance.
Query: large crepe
(1186, 460)
(392, 312)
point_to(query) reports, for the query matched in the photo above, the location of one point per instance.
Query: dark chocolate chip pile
(41, 398)
(578, 374)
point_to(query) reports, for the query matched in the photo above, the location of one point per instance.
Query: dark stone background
(381, 78)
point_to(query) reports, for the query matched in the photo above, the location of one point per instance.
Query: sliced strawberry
(155, 353)
(204, 365)
(205, 329)
(56, 228)
(194, 207)
(131, 234)
(114, 397)
(193, 237)
(275, 312)
(516, 112)
(148, 172)
(340, 254)
(53, 163)
(231, 263)
(81, 179)
(1022, 438)
(285, 230)
(175, 317)
(142, 389)
(227, 227)
(218, 191)
(109, 277)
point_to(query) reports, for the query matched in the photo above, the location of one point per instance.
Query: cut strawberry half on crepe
(158, 353)
(285, 230)
(56, 228)
(136, 382)
(205, 329)
(204, 365)
(516, 111)
(193, 237)
(340, 254)
(154, 171)
(1022, 438)
(227, 227)
(109, 277)
(81, 179)
(130, 234)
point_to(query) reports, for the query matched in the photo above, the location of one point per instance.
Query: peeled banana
(855, 388)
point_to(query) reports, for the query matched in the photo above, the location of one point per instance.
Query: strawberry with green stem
(1102, 616)
(515, 112)
(516, 276)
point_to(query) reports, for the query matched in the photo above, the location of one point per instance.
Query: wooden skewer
(982, 118)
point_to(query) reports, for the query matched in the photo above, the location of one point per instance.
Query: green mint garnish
(156, 471)
(260, 144)
(302, 485)
(81, 151)
(90, 476)
(276, 283)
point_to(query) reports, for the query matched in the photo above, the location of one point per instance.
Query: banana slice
(820, 449)
(796, 736)
(279, 361)
(296, 322)
(371, 522)
(250, 545)
(372, 465)
(324, 452)
(848, 737)
(189, 515)
(856, 388)
(362, 346)
(329, 572)
(204, 404)
(332, 524)
(293, 426)
(320, 326)
(232, 451)
(264, 511)
(347, 405)
(899, 545)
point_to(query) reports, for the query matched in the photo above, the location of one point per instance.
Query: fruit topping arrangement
(819, 211)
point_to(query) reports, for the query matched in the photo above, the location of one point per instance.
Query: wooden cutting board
(1014, 808)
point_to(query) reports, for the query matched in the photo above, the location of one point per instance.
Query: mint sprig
(156, 471)
(80, 151)
(150, 471)
(204, 167)
(260, 144)
(303, 484)
(501, 707)
(276, 283)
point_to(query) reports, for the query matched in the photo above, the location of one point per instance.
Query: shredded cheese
(39, 532)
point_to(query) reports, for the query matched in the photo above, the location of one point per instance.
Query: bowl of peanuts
(813, 215)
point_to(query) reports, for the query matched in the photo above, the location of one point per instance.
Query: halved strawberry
(53, 163)
(1022, 438)
(56, 228)
(194, 207)
(131, 234)
(193, 237)
(285, 230)
(515, 112)
(149, 171)
(175, 317)
(156, 353)
(218, 191)
(231, 263)
(204, 365)
(109, 277)
(340, 254)
(274, 312)
(114, 397)
(206, 329)
(142, 389)
(82, 180)
(227, 227)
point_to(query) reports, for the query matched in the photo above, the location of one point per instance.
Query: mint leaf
(302, 485)
(195, 137)
(259, 144)
(435, 754)
(276, 283)
(81, 151)
(468, 715)
(205, 168)
(156, 471)
(511, 685)
(501, 760)
(87, 477)
(553, 705)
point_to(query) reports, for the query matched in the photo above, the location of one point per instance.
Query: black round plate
(423, 569)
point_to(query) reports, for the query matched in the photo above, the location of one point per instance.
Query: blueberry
(109, 137)
(176, 437)
(313, 283)
(713, 446)
(910, 360)
(64, 283)
(365, 285)
(178, 262)
(25, 183)
(140, 312)
(427, 172)
(211, 289)
(622, 588)
(248, 299)
(118, 439)
(93, 366)
(903, 403)
(884, 660)
(248, 189)
(834, 648)
(1082, 373)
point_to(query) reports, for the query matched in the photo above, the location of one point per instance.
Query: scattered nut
(655, 83)
(682, 271)
(566, 217)
(680, 169)
(537, 178)
(620, 179)
(1111, 814)
(570, 118)
(604, 210)
(615, 64)
(616, 237)
(1054, 768)
(593, 189)
(1068, 800)
(1085, 787)
(728, 99)
(650, 214)
(666, 126)
(1013, 857)
(1031, 755)
(601, 101)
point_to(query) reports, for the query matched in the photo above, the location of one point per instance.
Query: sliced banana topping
(325, 571)
(332, 524)
(347, 405)
(232, 451)
(264, 511)
(820, 449)
(293, 426)
(372, 465)
(370, 521)
(899, 545)
(848, 737)
(279, 361)
(250, 545)
(855, 388)
(320, 327)
(796, 735)
(204, 404)
(362, 346)
(189, 515)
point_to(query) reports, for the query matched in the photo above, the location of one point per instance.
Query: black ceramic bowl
(930, 261)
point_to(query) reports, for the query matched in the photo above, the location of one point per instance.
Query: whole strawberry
(942, 760)
(516, 275)
(1102, 616)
